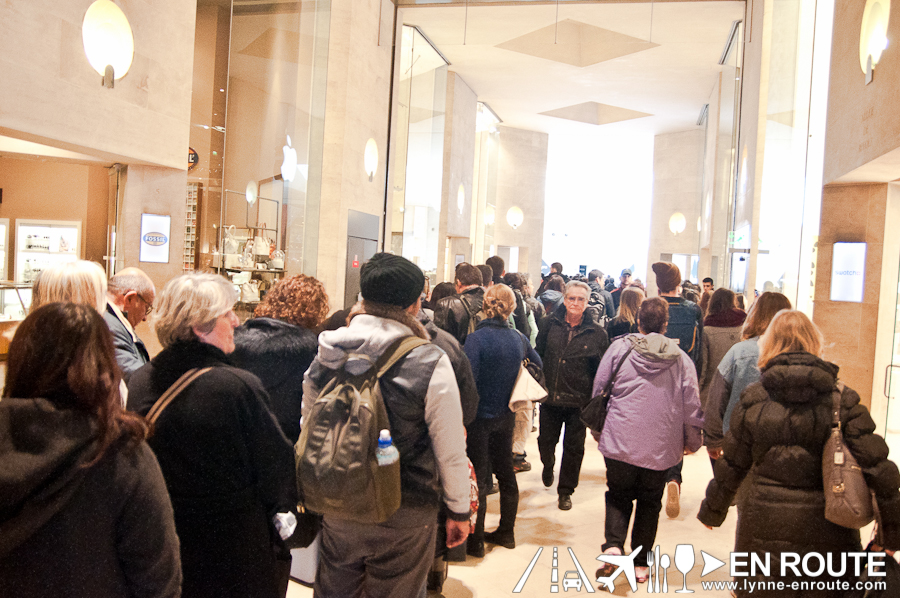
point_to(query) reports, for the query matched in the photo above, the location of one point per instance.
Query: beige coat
(716, 342)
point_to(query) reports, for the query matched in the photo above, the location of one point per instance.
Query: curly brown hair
(300, 300)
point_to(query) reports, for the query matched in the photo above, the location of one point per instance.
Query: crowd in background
(122, 475)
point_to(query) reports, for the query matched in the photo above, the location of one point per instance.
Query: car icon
(571, 580)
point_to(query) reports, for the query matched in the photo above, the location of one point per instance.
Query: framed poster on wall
(155, 236)
(848, 272)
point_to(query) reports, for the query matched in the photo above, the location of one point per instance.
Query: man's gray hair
(578, 284)
(122, 284)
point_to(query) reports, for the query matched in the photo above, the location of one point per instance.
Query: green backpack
(337, 472)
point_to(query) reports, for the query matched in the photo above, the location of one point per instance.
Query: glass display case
(42, 243)
(15, 299)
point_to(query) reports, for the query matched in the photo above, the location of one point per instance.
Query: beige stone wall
(863, 132)
(522, 182)
(852, 214)
(358, 90)
(50, 93)
(37, 190)
(677, 187)
(459, 169)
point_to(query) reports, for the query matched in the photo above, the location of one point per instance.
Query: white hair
(192, 301)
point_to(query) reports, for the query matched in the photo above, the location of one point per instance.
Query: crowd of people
(176, 475)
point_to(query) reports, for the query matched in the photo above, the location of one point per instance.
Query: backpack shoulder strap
(173, 391)
(396, 352)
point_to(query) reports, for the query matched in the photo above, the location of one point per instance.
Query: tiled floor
(541, 524)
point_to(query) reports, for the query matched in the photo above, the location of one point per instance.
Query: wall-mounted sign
(193, 158)
(155, 236)
(848, 272)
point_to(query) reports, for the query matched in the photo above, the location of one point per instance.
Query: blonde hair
(499, 301)
(789, 331)
(81, 282)
(192, 301)
(629, 304)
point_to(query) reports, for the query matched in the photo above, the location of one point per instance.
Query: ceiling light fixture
(108, 41)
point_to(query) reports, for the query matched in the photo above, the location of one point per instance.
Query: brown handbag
(848, 500)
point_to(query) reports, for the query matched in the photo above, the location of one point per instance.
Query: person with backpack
(384, 354)
(458, 314)
(685, 327)
(600, 299)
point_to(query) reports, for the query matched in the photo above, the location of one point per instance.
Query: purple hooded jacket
(654, 411)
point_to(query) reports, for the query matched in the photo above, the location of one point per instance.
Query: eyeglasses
(147, 303)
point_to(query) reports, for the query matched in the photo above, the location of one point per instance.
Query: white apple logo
(289, 166)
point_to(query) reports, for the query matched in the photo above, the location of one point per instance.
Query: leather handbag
(593, 414)
(848, 500)
(529, 388)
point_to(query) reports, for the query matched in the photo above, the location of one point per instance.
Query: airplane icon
(624, 563)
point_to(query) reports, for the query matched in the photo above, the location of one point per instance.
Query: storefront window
(781, 229)
(418, 160)
(257, 114)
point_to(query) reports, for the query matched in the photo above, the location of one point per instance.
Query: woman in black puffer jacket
(777, 435)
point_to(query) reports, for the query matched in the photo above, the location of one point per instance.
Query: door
(358, 252)
(892, 389)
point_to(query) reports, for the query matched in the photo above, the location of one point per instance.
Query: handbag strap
(173, 391)
(836, 405)
(612, 379)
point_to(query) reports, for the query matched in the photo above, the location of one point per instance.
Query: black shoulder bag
(593, 414)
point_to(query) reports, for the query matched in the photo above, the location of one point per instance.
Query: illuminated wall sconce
(370, 159)
(461, 198)
(489, 216)
(677, 223)
(251, 193)
(515, 217)
(873, 35)
(108, 40)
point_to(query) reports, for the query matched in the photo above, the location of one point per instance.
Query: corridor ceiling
(578, 68)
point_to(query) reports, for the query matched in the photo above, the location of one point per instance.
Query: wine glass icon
(684, 562)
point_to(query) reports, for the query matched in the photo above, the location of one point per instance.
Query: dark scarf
(728, 319)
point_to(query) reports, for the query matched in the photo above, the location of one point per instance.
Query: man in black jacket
(571, 344)
(600, 297)
(458, 314)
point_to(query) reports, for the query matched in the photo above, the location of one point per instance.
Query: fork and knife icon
(654, 562)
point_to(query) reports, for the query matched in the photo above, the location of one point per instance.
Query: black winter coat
(570, 366)
(777, 435)
(227, 466)
(278, 354)
(452, 313)
(462, 369)
(105, 531)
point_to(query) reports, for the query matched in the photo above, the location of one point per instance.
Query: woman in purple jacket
(654, 419)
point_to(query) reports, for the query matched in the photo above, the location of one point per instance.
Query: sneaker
(520, 466)
(547, 476)
(565, 502)
(504, 539)
(494, 489)
(673, 504)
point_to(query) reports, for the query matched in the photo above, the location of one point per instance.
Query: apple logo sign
(289, 166)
